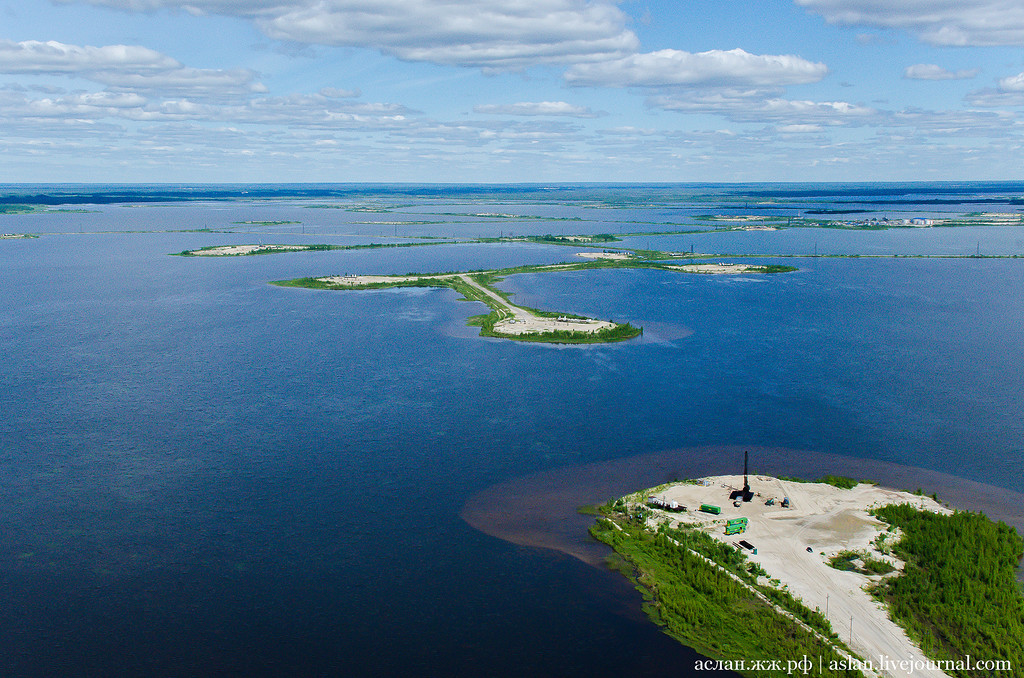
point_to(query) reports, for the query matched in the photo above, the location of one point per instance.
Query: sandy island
(614, 256)
(515, 321)
(236, 250)
(715, 269)
(794, 544)
(359, 280)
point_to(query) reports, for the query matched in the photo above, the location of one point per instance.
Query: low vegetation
(701, 605)
(487, 279)
(958, 594)
(280, 249)
(861, 562)
(842, 482)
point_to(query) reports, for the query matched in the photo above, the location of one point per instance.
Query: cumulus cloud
(934, 72)
(490, 34)
(49, 58)
(301, 111)
(124, 67)
(750, 106)
(184, 81)
(1012, 84)
(937, 22)
(536, 108)
(1009, 93)
(670, 67)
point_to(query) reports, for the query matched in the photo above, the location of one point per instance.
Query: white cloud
(296, 112)
(938, 22)
(993, 98)
(929, 124)
(751, 106)
(124, 68)
(490, 34)
(1014, 83)
(800, 129)
(1010, 93)
(184, 81)
(934, 72)
(670, 67)
(334, 93)
(32, 56)
(536, 108)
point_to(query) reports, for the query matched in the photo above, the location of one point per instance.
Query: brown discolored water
(541, 509)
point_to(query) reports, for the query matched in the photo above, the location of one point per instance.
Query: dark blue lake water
(204, 474)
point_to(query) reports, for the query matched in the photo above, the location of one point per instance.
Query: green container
(711, 508)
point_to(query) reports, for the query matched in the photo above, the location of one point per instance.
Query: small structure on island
(657, 502)
(736, 526)
(745, 494)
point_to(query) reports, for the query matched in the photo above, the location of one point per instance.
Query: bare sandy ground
(826, 520)
(231, 250)
(615, 256)
(352, 280)
(522, 321)
(714, 269)
(532, 324)
(517, 320)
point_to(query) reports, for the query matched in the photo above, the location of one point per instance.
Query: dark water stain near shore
(541, 509)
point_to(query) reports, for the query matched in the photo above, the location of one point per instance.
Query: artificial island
(778, 576)
(510, 321)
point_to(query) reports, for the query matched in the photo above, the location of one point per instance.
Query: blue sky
(510, 90)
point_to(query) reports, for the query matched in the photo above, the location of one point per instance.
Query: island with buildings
(847, 577)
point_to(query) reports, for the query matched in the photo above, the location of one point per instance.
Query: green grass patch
(958, 594)
(842, 482)
(702, 606)
(488, 279)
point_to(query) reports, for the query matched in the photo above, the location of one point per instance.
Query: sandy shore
(516, 320)
(532, 324)
(713, 269)
(521, 321)
(235, 250)
(614, 256)
(794, 545)
(353, 280)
